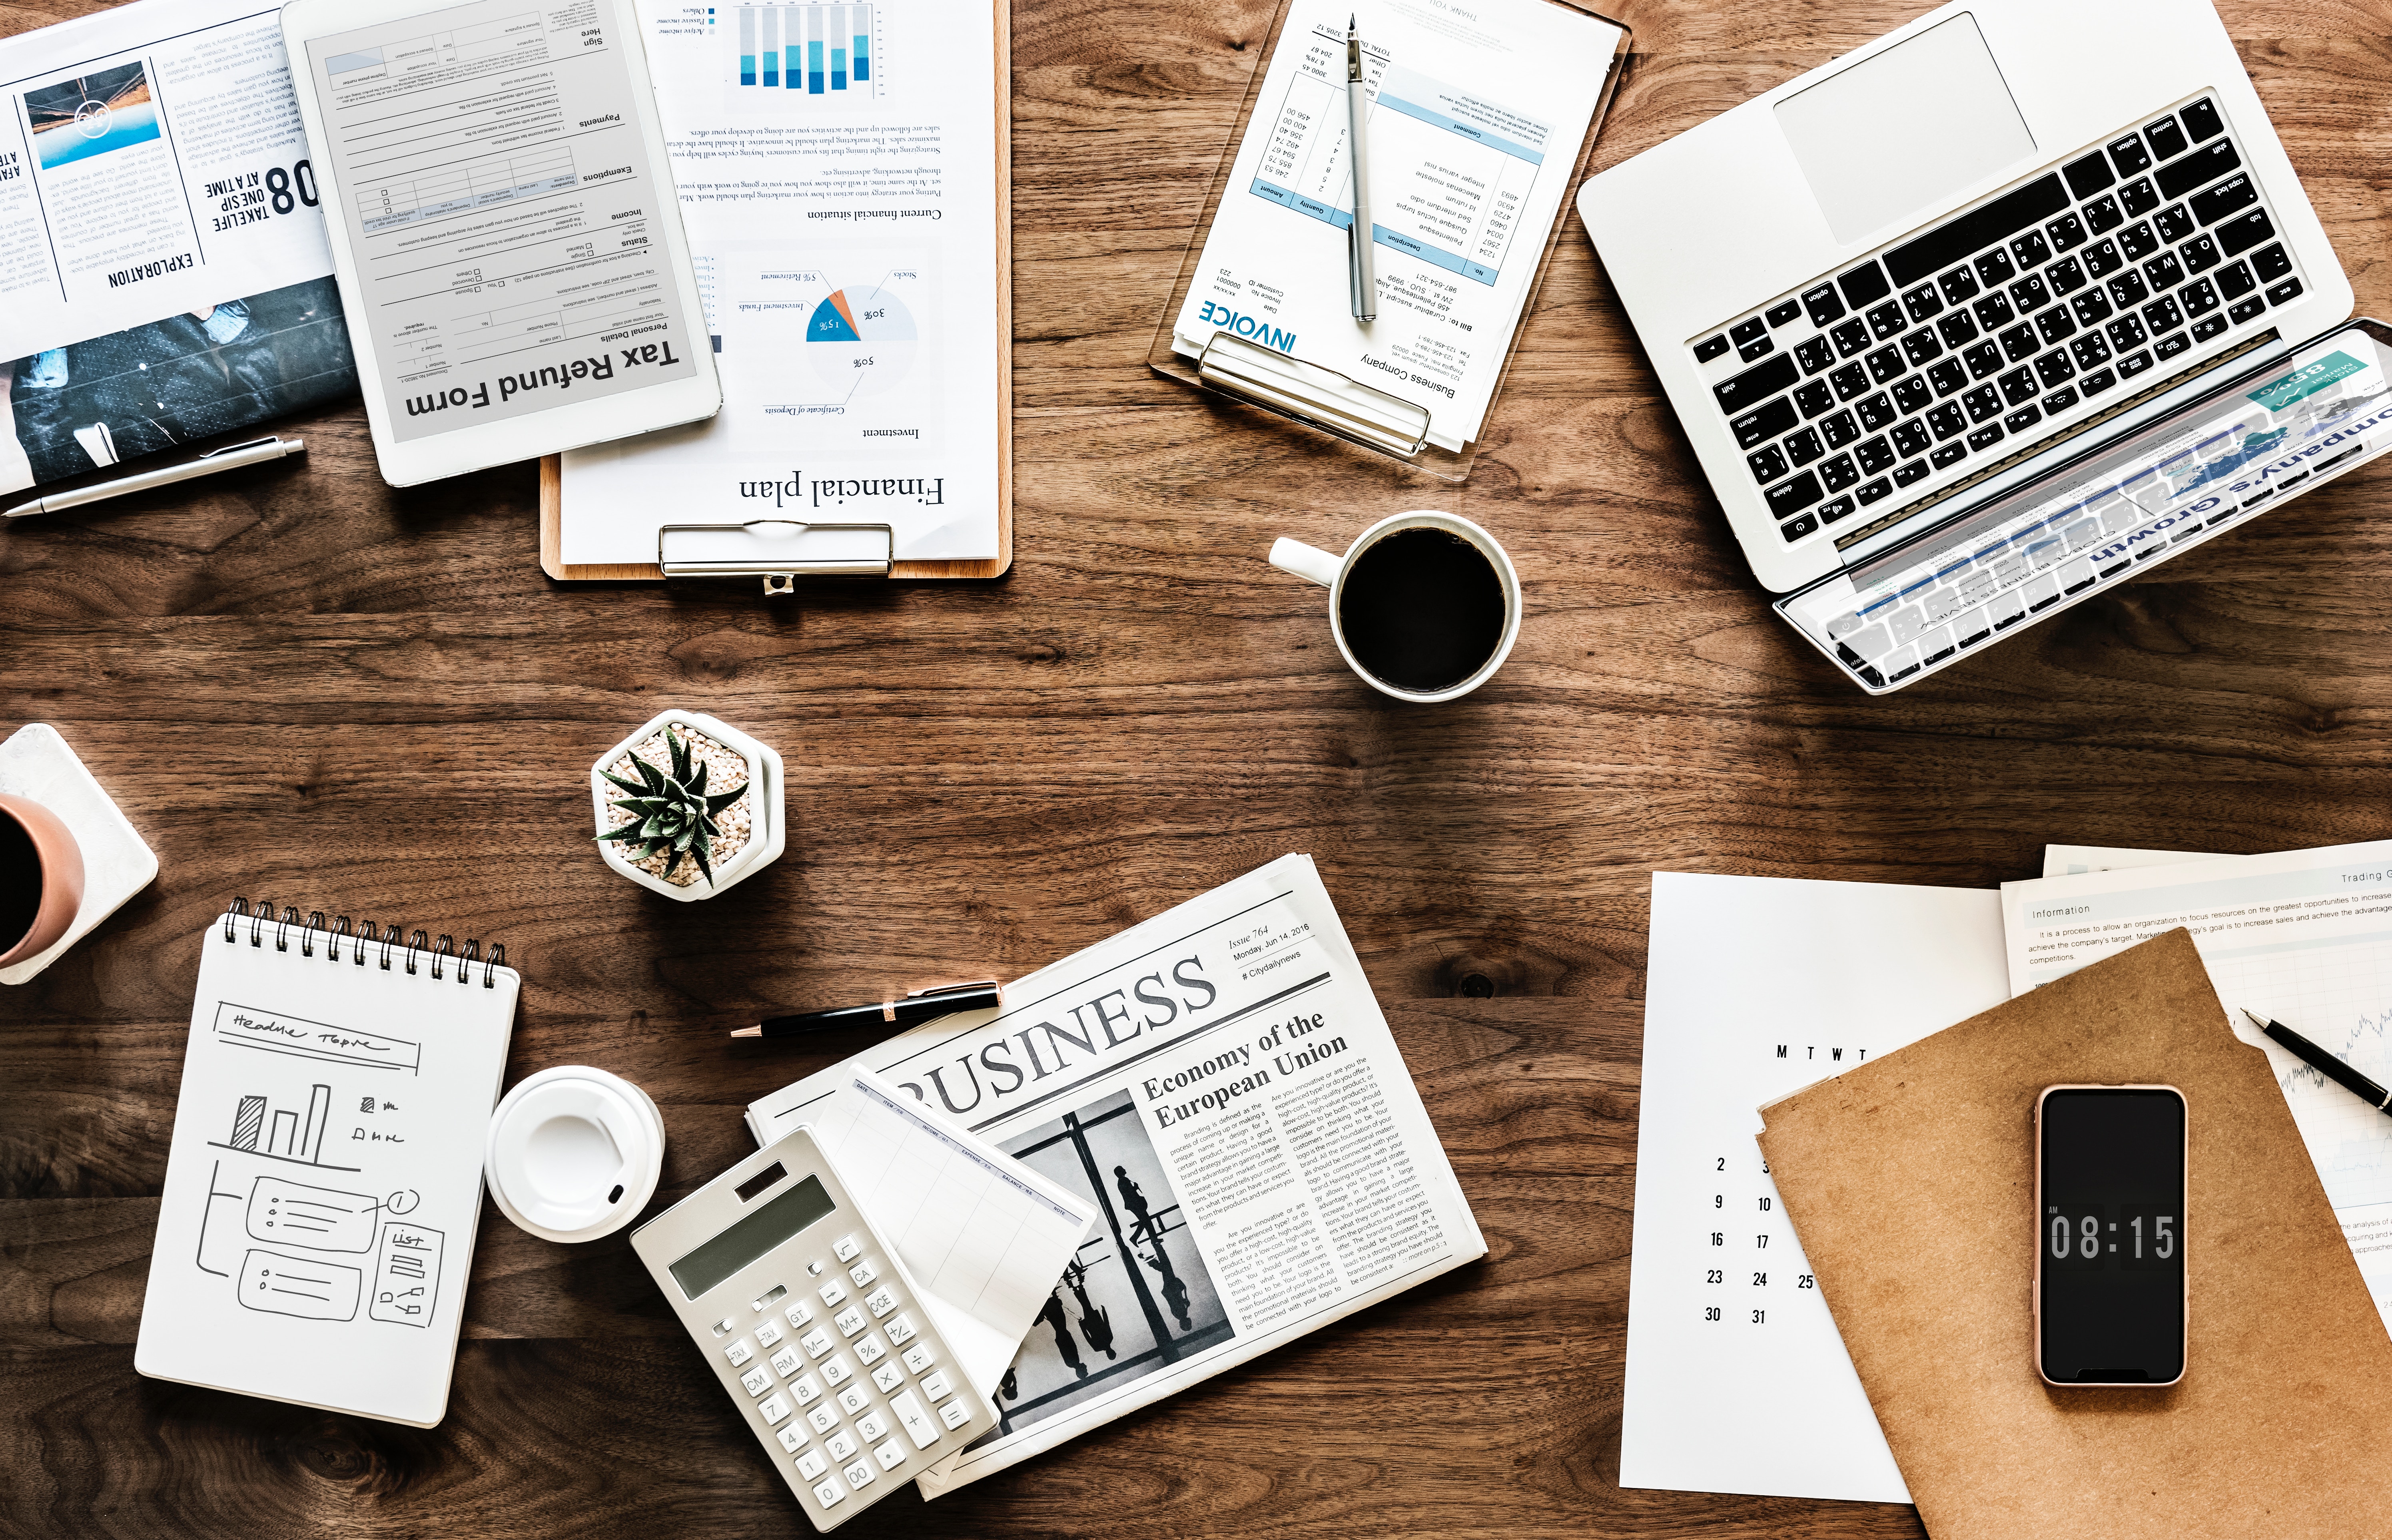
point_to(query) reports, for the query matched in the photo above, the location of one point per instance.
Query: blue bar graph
(806, 46)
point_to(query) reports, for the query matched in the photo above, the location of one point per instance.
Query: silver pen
(272, 446)
(1358, 239)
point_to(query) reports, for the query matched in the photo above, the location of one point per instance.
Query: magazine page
(164, 271)
(1221, 1083)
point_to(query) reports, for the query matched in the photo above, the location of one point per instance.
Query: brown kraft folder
(1911, 1183)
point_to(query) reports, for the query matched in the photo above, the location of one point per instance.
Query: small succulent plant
(671, 815)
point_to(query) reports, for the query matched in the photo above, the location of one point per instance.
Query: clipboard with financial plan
(1480, 122)
(844, 176)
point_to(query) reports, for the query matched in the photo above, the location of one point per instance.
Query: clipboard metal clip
(778, 551)
(1310, 393)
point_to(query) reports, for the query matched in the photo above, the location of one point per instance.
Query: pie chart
(861, 341)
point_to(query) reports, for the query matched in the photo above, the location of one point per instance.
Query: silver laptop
(1989, 314)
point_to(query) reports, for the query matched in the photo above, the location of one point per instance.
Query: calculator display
(786, 1215)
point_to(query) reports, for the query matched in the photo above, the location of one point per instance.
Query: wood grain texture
(300, 682)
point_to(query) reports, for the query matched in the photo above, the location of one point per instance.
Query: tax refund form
(498, 195)
(1478, 114)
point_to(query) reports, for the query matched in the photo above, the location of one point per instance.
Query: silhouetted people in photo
(1134, 1198)
(1053, 1316)
(1175, 1292)
(1096, 1322)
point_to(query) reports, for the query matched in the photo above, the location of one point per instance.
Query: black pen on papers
(919, 1006)
(2326, 1063)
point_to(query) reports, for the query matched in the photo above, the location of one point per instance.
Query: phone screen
(2110, 1237)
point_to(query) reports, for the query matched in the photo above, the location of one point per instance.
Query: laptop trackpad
(1885, 141)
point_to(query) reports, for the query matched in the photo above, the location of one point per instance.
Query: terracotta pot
(61, 865)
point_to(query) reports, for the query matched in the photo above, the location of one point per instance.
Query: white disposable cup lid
(573, 1153)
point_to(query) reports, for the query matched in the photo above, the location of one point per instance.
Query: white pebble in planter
(748, 832)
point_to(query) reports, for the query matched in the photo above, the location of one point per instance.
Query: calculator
(814, 1329)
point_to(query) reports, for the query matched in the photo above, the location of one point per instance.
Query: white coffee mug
(1330, 572)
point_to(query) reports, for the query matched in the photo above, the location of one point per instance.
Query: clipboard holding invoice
(845, 178)
(1480, 122)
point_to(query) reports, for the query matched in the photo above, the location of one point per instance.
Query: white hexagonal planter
(768, 834)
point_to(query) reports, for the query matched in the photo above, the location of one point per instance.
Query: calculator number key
(847, 1249)
(880, 1303)
(810, 1465)
(793, 1437)
(871, 1429)
(828, 1493)
(869, 1351)
(852, 1399)
(841, 1445)
(850, 1322)
(773, 1409)
(784, 1363)
(834, 1294)
(861, 1274)
(823, 1418)
(917, 1358)
(807, 1388)
(859, 1475)
(767, 1334)
(756, 1381)
(914, 1419)
(739, 1353)
(837, 1372)
(901, 1330)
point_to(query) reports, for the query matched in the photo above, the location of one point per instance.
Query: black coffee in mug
(20, 882)
(1422, 610)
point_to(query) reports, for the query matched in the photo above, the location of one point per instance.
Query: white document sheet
(1476, 120)
(1756, 987)
(838, 180)
(2074, 860)
(982, 1236)
(2301, 937)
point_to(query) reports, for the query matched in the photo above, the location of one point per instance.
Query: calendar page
(1757, 987)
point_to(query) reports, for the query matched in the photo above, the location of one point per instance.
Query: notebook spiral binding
(358, 939)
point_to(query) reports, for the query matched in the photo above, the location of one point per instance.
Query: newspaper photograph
(164, 271)
(1220, 1084)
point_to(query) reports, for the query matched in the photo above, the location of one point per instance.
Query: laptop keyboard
(1977, 343)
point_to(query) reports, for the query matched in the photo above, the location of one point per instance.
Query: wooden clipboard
(552, 471)
(1911, 1183)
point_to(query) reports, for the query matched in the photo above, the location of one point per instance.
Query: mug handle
(1306, 561)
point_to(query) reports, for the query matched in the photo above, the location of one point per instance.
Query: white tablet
(503, 225)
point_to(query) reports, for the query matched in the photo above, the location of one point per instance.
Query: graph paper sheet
(2301, 937)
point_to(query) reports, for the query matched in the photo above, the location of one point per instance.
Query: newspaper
(1220, 1083)
(163, 270)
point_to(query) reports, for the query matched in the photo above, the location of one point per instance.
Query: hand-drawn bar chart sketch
(283, 1134)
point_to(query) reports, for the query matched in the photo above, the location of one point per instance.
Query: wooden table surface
(300, 683)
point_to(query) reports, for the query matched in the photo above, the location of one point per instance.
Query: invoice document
(1755, 987)
(500, 201)
(1477, 114)
(2300, 937)
(839, 181)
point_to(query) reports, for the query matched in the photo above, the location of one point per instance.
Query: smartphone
(2110, 1281)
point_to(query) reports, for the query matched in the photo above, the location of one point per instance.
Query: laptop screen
(2197, 471)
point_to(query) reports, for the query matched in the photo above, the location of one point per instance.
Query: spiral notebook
(326, 1172)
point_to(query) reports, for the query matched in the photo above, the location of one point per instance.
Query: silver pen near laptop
(1360, 268)
(272, 446)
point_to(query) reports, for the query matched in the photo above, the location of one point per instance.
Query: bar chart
(814, 48)
(283, 1134)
